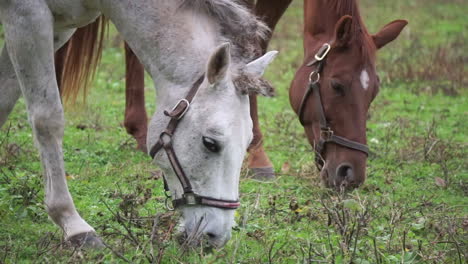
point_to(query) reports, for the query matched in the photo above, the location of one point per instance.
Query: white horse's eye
(211, 144)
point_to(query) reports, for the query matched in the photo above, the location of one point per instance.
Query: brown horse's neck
(319, 22)
(320, 18)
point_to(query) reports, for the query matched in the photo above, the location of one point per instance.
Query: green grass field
(413, 207)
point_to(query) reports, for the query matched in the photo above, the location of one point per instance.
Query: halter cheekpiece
(326, 133)
(189, 197)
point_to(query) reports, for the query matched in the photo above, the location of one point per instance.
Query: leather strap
(349, 144)
(184, 181)
(326, 133)
(165, 142)
(195, 199)
(176, 114)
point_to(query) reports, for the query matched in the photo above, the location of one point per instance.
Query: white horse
(177, 41)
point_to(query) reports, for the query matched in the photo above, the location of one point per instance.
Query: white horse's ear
(218, 64)
(258, 66)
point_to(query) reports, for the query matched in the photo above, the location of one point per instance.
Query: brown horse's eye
(338, 87)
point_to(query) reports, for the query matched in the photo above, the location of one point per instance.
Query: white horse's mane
(244, 31)
(239, 26)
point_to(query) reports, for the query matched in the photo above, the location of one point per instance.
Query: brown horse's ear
(343, 33)
(388, 33)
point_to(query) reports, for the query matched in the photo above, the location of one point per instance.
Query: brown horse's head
(347, 85)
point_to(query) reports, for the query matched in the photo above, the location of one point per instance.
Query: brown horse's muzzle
(344, 169)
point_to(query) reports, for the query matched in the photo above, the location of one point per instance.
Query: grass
(412, 209)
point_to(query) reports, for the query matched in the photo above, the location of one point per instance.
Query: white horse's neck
(172, 43)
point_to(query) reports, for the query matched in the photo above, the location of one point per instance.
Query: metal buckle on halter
(316, 75)
(323, 51)
(189, 198)
(187, 103)
(162, 137)
(326, 133)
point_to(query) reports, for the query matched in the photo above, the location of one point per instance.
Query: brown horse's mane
(359, 34)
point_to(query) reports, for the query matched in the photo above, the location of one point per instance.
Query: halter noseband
(326, 133)
(189, 197)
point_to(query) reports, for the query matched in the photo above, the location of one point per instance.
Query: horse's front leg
(136, 120)
(29, 41)
(259, 163)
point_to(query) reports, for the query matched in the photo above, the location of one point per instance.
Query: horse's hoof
(88, 240)
(263, 174)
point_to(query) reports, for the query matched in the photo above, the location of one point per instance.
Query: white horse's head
(210, 144)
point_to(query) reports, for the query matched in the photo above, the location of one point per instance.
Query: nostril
(345, 171)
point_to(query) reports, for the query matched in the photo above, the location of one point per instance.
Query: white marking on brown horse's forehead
(364, 79)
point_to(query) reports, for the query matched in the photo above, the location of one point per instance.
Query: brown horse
(333, 89)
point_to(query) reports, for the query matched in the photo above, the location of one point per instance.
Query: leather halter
(189, 197)
(326, 133)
